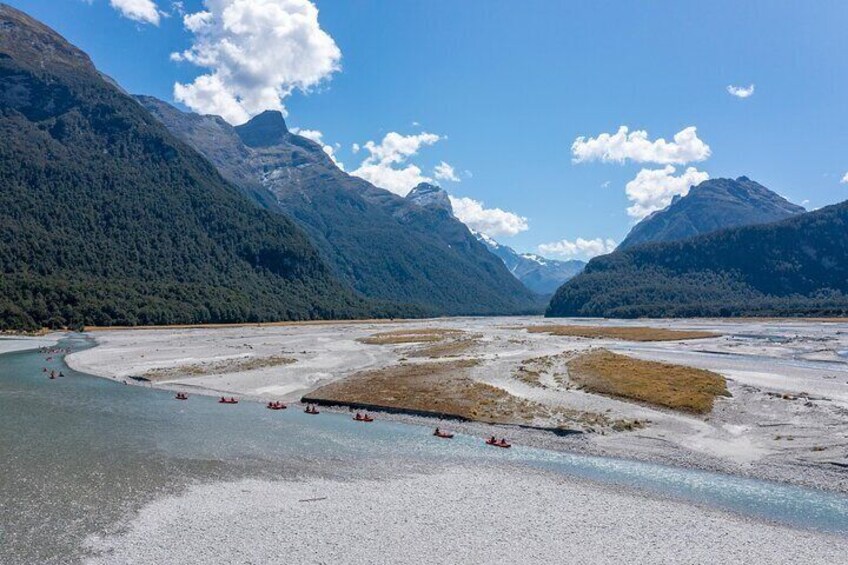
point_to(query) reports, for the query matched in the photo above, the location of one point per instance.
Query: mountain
(409, 250)
(107, 218)
(712, 205)
(541, 275)
(798, 266)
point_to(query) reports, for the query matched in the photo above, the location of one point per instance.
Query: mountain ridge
(794, 267)
(540, 274)
(384, 245)
(710, 206)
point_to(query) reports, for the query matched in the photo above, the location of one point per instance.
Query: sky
(555, 126)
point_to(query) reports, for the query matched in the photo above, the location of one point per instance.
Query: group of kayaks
(54, 374)
(358, 417)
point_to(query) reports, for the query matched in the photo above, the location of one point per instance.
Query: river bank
(529, 517)
(784, 419)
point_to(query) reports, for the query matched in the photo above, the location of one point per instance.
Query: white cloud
(257, 53)
(844, 179)
(653, 189)
(318, 137)
(400, 181)
(584, 248)
(635, 146)
(144, 11)
(387, 163)
(490, 221)
(740, 91)
(443, 171)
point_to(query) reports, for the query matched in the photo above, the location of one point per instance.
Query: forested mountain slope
(388, 247)
(712, 205)
(798, 266)
(107, 218)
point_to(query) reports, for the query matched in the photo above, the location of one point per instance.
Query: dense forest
(796, 267)
(106, 218)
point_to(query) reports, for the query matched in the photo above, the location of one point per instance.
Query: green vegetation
(107, 219)
(796, 267)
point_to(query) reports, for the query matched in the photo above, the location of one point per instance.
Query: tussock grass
(625, 333)
(411, 335)
(452, 347)
(217, 367)
(443, 388)
(671, 386)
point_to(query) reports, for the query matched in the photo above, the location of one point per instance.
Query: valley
(782, 415)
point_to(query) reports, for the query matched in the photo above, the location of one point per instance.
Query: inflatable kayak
(364, 419)
(276, 406)
(443, 435)
(228, 401)
(502, 444)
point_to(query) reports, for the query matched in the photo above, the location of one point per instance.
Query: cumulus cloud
(144, 11)
(257, 52)
(740, 91)
(443, 171)
(653, 189)
(845, 179)
(387, 165)
(318, 137)
(583, 248)
(490, 221)
(635, 146)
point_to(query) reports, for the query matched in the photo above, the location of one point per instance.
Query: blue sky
(504, 89)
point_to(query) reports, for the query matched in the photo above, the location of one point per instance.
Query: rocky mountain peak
(713, 205)
(264, 130)
(430, 195)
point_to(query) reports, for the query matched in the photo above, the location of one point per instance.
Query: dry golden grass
(446, 389)
(661, 384)
(530, 370)
(217, 367)
(453, 347)
(443, 388)
(411, 335)
(625, 333)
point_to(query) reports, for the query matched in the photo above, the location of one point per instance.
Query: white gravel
(23, 343)
(481, 515)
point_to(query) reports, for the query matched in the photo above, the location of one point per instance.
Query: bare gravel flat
(458, 515)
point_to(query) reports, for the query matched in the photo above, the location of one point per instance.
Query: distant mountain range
(541, 275)
(107, 218)
(798, 266)
(712, 205)
(409, 250)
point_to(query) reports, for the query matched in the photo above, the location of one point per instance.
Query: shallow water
(78, 453)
